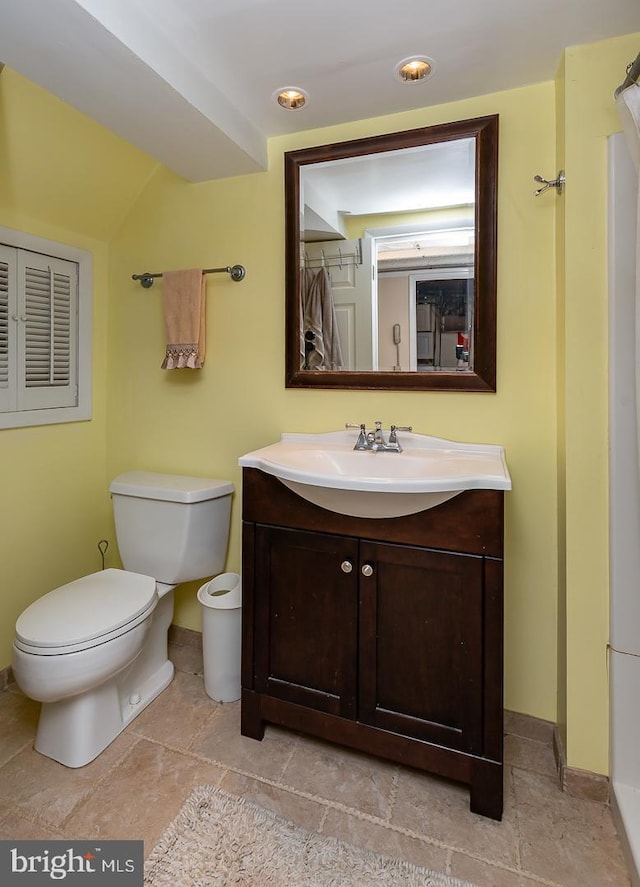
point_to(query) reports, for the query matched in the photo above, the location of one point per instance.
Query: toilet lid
(86, 608)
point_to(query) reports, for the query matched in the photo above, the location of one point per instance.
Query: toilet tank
(172, 527)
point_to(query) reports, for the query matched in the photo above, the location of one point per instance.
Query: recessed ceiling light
(414, 69)
(291, 97)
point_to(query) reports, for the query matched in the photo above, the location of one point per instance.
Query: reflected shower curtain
(628, 103)
(320, 347)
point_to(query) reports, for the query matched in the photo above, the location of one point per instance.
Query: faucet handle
(393, 437)
(361, 443)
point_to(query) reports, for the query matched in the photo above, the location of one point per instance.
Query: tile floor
(183, 739)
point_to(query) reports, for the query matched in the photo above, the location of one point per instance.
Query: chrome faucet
(374, 440)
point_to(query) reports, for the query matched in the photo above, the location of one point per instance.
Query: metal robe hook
(103, 544)
(558, 182)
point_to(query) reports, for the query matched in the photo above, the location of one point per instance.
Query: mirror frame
(483, 377)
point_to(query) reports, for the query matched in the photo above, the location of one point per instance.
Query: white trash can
(221, 600)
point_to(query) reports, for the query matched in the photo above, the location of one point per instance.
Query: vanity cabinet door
(420, 656)
(306, 602)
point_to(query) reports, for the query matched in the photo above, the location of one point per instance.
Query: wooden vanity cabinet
(384, 635)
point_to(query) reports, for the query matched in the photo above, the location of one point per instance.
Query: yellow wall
(65, 179)
(591, 73)
(561, 653)
(201, 422)
(549, 411)
(355, 225)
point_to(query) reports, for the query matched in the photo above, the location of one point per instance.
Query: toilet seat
(87, 612)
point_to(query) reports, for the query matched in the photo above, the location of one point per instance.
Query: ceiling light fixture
(414, 69)
(291, 97)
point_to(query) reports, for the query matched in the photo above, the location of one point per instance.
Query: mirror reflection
(391, 260)
(388, 243)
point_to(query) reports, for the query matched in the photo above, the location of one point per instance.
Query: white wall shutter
(8, 328)
(38, 331)
(48, 289)
(46, 337)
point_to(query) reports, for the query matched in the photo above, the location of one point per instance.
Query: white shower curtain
(624, 662)
(628, 103)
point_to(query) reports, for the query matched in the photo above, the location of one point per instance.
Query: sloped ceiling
(191, 82)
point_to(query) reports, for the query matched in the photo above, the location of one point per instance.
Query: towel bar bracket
(235, 272)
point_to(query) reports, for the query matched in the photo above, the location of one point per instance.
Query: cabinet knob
(367, 570)
(346, 566)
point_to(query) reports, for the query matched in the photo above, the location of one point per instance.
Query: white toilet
(94, 652)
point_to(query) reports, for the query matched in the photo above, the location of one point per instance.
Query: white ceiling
(191, 82)
(412, 179)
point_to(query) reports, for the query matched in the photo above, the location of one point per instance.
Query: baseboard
(579, 783)
(6, 677)
(575, 782)
(528, 727)
(185, 637)
(185, 649)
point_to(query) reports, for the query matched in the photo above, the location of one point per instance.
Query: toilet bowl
(94, 651)
(78, 650)
(67, 641)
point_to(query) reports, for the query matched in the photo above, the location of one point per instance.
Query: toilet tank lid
(169, 487)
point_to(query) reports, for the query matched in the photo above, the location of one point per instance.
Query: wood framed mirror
(391, 260)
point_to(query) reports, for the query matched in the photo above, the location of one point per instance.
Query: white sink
(326, 470)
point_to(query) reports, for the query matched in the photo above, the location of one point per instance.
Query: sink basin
(326, 470)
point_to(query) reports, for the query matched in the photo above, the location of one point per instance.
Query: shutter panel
(8, 326)
(48, 328)
(4, 324)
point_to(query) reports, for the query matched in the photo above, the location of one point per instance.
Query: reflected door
(349, 263)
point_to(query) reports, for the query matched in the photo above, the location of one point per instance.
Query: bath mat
(218, 839)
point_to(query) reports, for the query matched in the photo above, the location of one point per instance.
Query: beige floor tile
(220, 741)
(19, 719)
(483, 874)
(385, 840)
(16, 827)
(5, 809)
(439, 809)
(287, 805)
(529, 754)
(177, 714)
(338, 774)
(47, 791)
(568, 840)
(516, 724)
(139, 784)
(187, 658)
(142, 795)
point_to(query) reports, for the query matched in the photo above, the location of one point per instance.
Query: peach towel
(184, 318)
